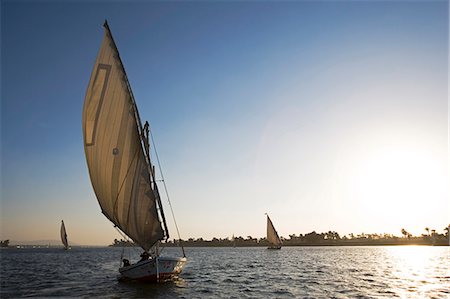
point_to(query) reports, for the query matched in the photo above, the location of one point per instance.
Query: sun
(398, 182)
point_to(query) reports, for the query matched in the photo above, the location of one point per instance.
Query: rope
(167, 193)
(126, 238)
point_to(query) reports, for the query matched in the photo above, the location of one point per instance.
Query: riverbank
(264, 243)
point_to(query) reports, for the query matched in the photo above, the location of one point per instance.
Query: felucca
(117, 148)
(272, 235)
(64, 236)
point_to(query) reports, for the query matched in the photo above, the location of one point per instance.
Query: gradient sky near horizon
(328, 115)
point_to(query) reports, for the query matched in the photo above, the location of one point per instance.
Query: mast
(144, 137)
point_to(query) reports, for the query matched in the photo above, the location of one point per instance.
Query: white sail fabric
(64, 235)
(117, 164)
(272, 235)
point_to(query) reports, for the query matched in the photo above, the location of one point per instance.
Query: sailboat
(272, 235)
(64, 236)
(117, 149)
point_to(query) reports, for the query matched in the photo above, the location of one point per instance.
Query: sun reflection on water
(414, 270)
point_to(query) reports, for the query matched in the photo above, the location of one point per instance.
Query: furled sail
(119, 167)
(64, 235)
(272, 235)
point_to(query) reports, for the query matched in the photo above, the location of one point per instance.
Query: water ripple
(292, 272)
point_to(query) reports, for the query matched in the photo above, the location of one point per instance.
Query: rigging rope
(126, 239)
(167, 193)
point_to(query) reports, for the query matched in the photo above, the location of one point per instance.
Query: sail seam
(116, 216)
(118, 143)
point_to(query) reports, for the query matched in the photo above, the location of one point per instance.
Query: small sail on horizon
(64, 235)
(117, 152)
(272, 235)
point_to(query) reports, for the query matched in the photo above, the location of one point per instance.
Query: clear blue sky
(327, 115)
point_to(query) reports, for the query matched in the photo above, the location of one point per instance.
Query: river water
(292, 272)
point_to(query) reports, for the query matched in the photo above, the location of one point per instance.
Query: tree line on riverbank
(330, 238)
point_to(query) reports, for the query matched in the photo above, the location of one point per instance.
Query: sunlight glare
(399, 180)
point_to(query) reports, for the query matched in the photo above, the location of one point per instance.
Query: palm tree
(404, 232)
(447, 233)
(428, 230)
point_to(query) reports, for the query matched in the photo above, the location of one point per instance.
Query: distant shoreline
(308, 240)
(28, 246)
(171, 245)
(287, 243)
(314, 239)
(324, 244)
(311, 239)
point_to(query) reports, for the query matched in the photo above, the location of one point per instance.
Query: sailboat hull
(153, 270)
(274, 247)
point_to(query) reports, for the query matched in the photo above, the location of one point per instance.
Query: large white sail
(272, 235)
(64, 235)
(113, 141)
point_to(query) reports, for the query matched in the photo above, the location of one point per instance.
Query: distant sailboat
(272, 235)
(63, 236)
(117, 148)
